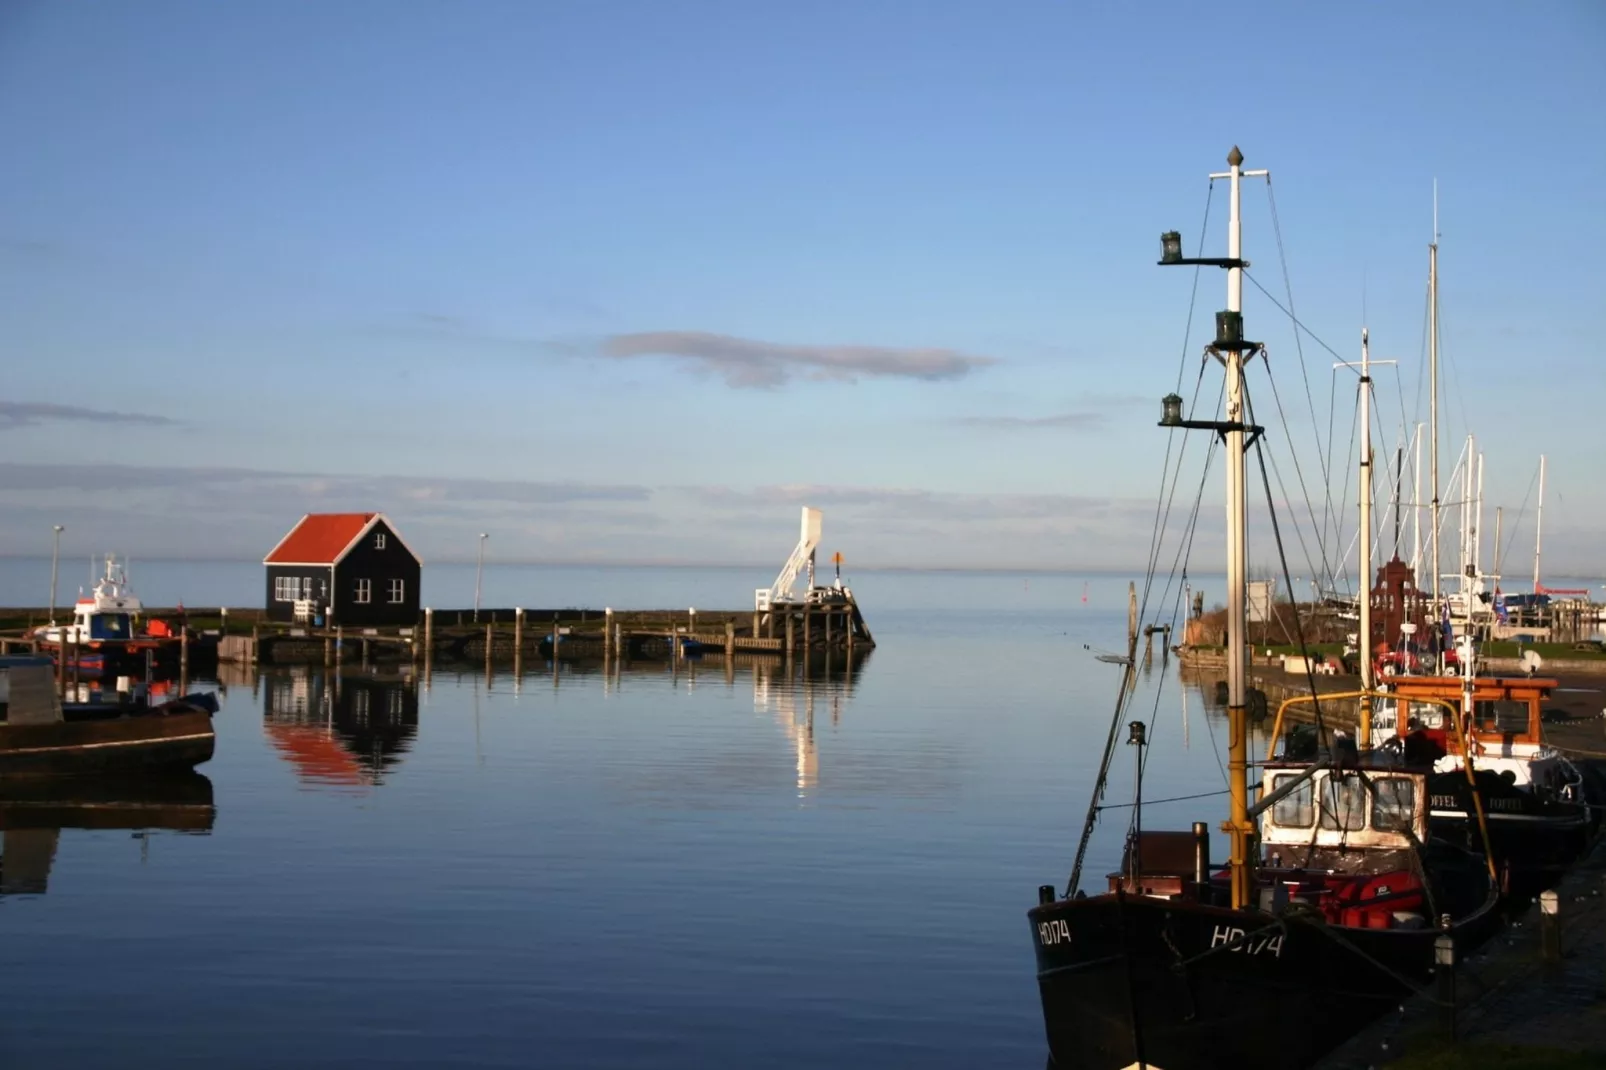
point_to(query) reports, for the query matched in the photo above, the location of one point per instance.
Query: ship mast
(1539, 523)
(1433, 393)
(1364, 641)
(1233, 351)
(1365, 728)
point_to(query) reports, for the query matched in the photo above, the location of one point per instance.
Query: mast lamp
(1229, 329)
(1171, 416)
(1171, 247)
(1171, 255)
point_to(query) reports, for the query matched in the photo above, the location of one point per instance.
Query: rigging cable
(1162, 510)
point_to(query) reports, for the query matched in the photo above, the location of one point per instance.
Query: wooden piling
(340, 644)
(256, 640)
(607, 634)
(518, 631)
(488, 641)
(830, 615)
(755, 624)
(183, 653)
(789, 631)
(223, 620)
(730, 638)
(808, 626)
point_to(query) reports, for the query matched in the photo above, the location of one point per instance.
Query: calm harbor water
(667, 867)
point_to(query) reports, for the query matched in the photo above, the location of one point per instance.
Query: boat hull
(156, 741)
(1186, 986)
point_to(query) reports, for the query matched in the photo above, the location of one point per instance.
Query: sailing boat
(1273, 960)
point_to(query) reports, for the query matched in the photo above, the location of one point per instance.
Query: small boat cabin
(1341, 841)
(106, 614)
(1505, 730)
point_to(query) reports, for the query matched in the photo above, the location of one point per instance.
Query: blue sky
(631, 281)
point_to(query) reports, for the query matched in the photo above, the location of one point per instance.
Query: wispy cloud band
(747, 362)
(15, 414)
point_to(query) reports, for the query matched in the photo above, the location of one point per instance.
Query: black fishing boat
(40, 735)
(1335, 898)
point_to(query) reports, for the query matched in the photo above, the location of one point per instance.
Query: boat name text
(1053, 932)
(1261, 943)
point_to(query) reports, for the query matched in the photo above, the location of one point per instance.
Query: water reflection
(789, 691)
(343, 729)
(33, 813)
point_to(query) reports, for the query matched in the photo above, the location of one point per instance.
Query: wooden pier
(512, 635)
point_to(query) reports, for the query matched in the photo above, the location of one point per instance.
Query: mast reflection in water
(339, 729)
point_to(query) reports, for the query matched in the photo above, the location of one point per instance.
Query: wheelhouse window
(379, 540)
(1393, 804)
(398, 592)
(1296, 809)
(364, 592)
(1502, 715)
(1426, 715)
(1343, 804)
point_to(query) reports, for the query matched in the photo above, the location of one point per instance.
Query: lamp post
(55, 557)
(479, 568)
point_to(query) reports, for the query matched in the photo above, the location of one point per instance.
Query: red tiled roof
(318, 539)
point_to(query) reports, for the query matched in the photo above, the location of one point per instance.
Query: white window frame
(364, 592)
(379, 540)
(398, 592)
(286, 588)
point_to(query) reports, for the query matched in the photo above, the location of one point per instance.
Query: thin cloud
(14, 414)
(747, 362)
(1064, 421)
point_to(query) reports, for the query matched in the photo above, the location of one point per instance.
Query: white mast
(1365, 729)
(1477, 525)
(1416, 507)
(1240, 829)
(1539, 523)
(1433, 390)
(1233, 351)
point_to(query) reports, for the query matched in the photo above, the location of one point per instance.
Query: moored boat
(1335, 898)
(106, 639)
(41, 737)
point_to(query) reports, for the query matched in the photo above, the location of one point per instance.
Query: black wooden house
(350, 569)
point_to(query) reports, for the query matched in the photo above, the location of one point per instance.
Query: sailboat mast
(1416, 507)
(1494, 567)
(1477, 525)
(1433, 386)
(1399, 492)
(1365, 644)
(1539, 523)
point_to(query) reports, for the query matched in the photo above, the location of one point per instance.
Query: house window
(306, 587)
(286, 588)
(364, 593)
(379, 540)
(398, 592)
